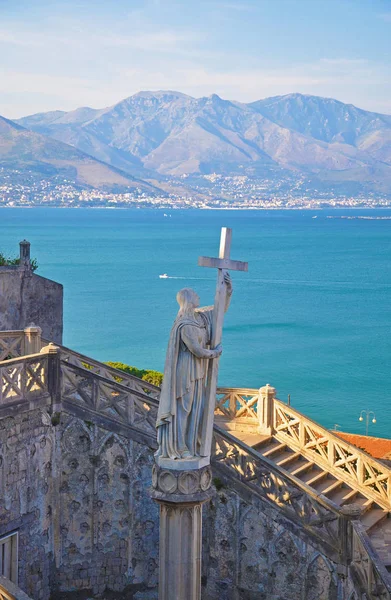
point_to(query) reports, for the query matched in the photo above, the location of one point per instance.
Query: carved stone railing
(316, 514)
(340, 458)
(92, 395)
(20, 343)
(237, 403)
(10, 591)
(11, 344)
(23, 380)
(67, 380)
(366, 566)
(99, 368)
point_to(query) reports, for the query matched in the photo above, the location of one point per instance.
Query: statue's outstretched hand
(217, 351)
(228, 282)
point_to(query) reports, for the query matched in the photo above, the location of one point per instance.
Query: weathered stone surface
(170, 485)
(28, 298)
(26, 496)
(79, 496)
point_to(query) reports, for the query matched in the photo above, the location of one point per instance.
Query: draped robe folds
(183, 392)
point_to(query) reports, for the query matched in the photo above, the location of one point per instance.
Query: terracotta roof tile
(376, 447)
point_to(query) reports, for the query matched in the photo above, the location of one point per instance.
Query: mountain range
(162, 136)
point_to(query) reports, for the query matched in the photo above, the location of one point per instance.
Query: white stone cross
(222, 264)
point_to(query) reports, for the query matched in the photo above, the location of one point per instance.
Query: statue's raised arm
(183, 394)
(188, 394)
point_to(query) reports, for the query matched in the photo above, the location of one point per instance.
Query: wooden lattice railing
(340, 458)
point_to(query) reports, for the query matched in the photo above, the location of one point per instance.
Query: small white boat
(164, 276)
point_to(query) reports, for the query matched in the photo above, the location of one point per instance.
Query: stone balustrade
(367, 566)
(61, 379)
(20, 343)
(327, 450)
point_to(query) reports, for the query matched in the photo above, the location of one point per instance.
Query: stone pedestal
(32, 339)
(180, 495)
(266, 409)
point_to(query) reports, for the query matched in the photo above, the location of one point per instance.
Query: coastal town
(211, 191)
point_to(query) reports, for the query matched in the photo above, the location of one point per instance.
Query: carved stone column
(265, 415)
(180, 495)
(32, 339)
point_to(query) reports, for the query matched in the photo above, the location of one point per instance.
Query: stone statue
(183, 394)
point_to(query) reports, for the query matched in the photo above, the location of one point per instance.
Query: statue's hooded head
(188, 300)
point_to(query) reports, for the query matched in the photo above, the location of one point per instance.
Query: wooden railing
(367, 567)
(340, 458)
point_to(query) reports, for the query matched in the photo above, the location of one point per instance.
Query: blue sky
(62, 55)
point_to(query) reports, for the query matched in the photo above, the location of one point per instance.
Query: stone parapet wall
(27, 298)
(26, 496)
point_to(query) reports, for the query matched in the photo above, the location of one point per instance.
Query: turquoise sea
(311, 317)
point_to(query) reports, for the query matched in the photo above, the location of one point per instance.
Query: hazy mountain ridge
(23, 149)
(173, 134)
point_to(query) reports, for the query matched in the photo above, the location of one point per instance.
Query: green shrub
(7, 261)
(153, 377)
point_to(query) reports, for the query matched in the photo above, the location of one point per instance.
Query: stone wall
(26, 496)
(251, 553)
(79, 497)
(27, 298)
(108, 523)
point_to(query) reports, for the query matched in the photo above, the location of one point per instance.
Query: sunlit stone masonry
(293, 512)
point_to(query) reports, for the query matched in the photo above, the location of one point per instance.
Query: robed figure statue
(183, 392)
